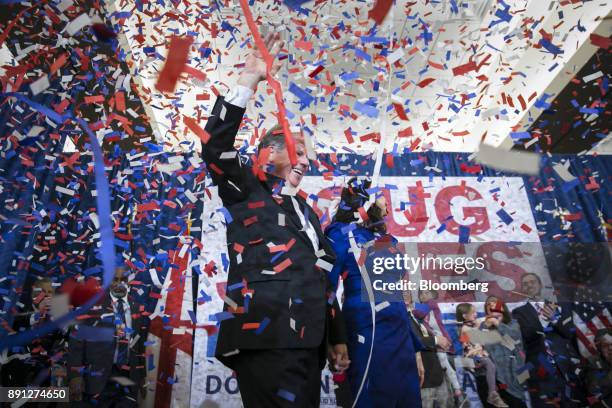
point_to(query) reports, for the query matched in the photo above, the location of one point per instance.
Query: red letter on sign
(443, 209)
(508, 270)
(437, 253)
(416, 214)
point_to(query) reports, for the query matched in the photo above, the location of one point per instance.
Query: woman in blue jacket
(393, 377)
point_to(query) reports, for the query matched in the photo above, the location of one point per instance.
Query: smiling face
(490, 305)
(531, 286)
(280, 164)
(40, 290)
(471, 315)
(425, 296)
(606, 348)
(119, 285)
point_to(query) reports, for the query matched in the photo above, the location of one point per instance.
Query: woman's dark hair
(507, 317)
(462, 309)
(354, 196)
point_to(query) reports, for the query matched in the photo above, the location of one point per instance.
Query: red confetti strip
(195, 128)
(573, 217)
(260, 162)
(283, 265)
(415, 144)
(522, 102)
(250, 220)
(196, 73)
(399, 109)
(316, 71)
(389, 161)
(600, 41)
(120, 101)
(304, 45)
(470, 169)
(274, 84)
(59, 62)
(425, 82)
(362, 211)
(348, 135)
(380, 10)
(175, 63)
(151, 205)
(465, 68)
(405, 133)
(216, 169)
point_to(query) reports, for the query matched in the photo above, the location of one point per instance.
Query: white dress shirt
(306, 225)
(128, 320)
(126, 309)
(239, 96)
(538, 306)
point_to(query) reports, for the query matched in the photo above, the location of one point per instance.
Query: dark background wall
(562, 127)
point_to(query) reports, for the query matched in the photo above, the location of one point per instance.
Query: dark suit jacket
(434, 373)
(22, 372)
(92, 346)
(278, 299)
(562, 343)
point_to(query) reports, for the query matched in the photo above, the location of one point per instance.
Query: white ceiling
(515, 65)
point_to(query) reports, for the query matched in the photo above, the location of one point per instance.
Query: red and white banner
(171, 337)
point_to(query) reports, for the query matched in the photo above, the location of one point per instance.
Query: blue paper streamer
(107, 248)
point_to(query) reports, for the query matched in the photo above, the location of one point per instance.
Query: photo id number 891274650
(34, 394)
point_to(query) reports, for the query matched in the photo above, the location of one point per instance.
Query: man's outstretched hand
(337, 355)
(255, 64)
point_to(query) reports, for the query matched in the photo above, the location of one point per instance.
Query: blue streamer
(107, 247)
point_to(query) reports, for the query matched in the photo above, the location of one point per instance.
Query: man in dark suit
(280, 315)
(106, 352)
(551, 350)
(435, 391)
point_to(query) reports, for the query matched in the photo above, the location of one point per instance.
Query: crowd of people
(100, 357)
(388, 353)
(527, 357)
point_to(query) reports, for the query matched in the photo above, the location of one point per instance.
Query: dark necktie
(122, 343)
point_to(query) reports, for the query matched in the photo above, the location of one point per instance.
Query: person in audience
(467, 317)
(395, 372)
(433, 317)
(435, 390)
(44, 364)
(106, 351)
(508, 356)
(598, 374)
(551, 350)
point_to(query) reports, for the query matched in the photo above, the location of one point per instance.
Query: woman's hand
(491, 321)
(420, 368)
(255, 67)
(337, 355)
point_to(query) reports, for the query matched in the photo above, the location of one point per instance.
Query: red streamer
(274, 84)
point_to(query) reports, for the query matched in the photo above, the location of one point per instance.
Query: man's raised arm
(222, 160)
